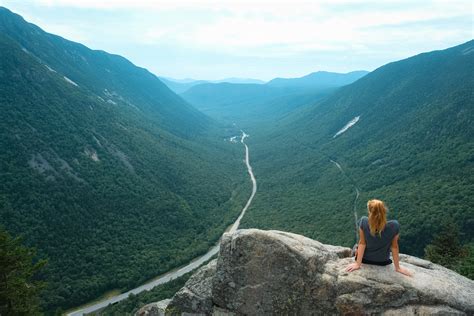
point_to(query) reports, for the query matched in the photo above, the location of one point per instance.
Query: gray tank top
(378, 246)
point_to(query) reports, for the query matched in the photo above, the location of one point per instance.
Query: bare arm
(396, 257)
(361, 248)
(360, 253)
(395, 252)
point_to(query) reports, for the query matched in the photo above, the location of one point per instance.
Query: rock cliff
(277, 273)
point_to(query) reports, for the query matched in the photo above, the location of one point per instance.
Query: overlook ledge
(278, 273)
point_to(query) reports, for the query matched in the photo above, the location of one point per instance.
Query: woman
(377, 237)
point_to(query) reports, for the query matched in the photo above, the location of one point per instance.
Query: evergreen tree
(466, 265)
(446, 248)
(18, 290)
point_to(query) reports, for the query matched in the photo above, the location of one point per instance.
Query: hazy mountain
(247, 104)
(182, 85)
(184, 80)
(403, 133)
(244, 103)
(319, 80)
(105, 170)
(218, 96)
(239, 80)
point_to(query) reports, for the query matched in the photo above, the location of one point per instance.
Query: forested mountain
(112, 176)
(104, 75)
(240, 102)
(403, 133)
(319, 80)
(182, 85)
(250, 104)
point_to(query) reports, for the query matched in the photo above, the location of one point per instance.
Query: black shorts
(377, 263)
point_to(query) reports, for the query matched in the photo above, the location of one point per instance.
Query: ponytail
(377, 216)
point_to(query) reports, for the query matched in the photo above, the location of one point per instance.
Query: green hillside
(109, 76)
(411, 144)
(112, 177)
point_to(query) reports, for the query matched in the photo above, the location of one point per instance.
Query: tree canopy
(19, 290)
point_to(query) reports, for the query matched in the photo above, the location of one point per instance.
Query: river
(164, 278)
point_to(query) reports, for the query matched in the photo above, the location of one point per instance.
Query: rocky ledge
(277, 273)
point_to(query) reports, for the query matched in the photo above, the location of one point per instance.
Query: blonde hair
(377, 216)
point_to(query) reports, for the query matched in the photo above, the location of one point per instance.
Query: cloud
(234, 5)
(282, 32)
(292, 30)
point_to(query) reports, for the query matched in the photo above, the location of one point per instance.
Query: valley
(123, 180)
(397, 132)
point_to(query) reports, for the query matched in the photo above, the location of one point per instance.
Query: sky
(261, 39)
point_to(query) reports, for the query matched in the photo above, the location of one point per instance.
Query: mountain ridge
(319, 79)
(136, 84)
(182, 85)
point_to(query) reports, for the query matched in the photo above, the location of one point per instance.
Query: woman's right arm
(360, 253)
(396, 258)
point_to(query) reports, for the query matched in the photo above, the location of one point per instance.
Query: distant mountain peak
(320, 79)
(182, 85)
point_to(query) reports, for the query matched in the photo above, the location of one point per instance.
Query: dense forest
(19, 287)
(446, 249)
(134, 302)
(110, 175)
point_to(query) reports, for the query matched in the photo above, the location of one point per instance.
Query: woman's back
(378, 245)
(377, 237)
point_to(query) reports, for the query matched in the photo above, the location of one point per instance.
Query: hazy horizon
(207, 40)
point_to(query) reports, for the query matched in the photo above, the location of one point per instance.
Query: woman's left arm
(396, 258)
